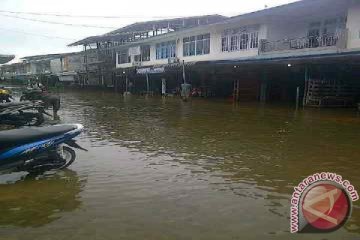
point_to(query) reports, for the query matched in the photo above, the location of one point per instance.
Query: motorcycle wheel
(68, 155)
(61, 160)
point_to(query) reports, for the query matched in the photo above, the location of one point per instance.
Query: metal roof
(174, 24)
(47, 56)
(6, 58)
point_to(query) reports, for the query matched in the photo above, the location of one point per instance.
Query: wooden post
(147, 84)
(306, 78)
(238, 90)
(163, 86)
(126, 83)
(86, 66)
(297, 97)
(236, 93)
(263, 88)
(183, 69)
(113, 76)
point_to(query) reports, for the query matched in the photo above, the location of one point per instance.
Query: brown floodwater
(164, 169)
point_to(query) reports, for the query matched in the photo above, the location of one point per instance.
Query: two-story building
(304, 50)
(100, 52)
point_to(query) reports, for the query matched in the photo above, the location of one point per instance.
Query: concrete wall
(32, 68)
(56, 65)
(73, 63)
(67, 63)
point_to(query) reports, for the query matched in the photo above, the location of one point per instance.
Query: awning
(315, 57)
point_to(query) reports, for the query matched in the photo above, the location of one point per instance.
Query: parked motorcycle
(5, 95)
(38, 149)
(22, 113)
(32, 95)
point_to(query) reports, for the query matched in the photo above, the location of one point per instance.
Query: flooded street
(166, 169)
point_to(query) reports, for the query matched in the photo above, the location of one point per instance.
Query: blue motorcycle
(38, 149)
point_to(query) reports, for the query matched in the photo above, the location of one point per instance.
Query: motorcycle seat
(18, 137)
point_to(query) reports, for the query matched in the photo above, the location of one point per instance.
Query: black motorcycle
(32, 95)
(22, 113)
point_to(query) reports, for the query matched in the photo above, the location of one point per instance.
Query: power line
(58, 23)
(35, 34)
(87, 16)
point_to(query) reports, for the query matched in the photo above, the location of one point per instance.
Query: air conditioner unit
(136, 64)
(173, 60)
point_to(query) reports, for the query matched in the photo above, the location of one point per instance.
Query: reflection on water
(164, 169)
(33, 201)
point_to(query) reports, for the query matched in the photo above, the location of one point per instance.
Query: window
(206, 40)
(314, 29)
(202, 44)
(330, 27)
(196, 45)
(244, 38)
(165, 50)
(254, 40)
(199, 45)
(123, 57)
(224, 44)
(189, 44)
(244, 41)
(145, 54)
(234, 43)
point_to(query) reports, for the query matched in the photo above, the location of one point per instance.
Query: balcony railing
(334, 40)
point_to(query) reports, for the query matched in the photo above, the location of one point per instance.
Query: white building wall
(353, 25)
(272, 28)
(278, 30)
(215, 47)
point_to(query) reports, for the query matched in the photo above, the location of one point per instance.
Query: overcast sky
(20, 37)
